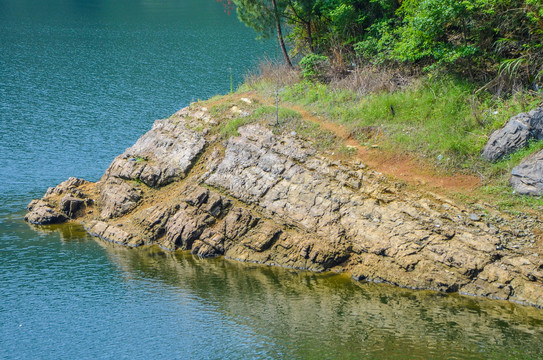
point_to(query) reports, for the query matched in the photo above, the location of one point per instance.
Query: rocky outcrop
(268, 196)
(162, 155)
(527, 177)
(52, 210)
(516, 134)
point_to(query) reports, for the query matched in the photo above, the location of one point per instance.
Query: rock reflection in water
(67, 232)
(309, 315)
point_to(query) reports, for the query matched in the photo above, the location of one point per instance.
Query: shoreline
(267, 194)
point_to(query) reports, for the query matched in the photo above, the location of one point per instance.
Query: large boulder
(70, 205)
(527, 177)
(518, 131)
(40, 212)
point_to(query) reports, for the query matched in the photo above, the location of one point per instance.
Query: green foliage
(378, 44)
(314, 66)
(258, 15)
(479, 40)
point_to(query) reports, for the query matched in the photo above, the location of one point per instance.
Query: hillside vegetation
(430, 79)
(495, 43)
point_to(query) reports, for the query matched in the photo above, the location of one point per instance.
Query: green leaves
(314, 66)
(479, 39)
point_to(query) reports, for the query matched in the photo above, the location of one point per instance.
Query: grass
(508, 163)
(497, 185)
(322, 139)
(436, 119)
(260, 114)
(443, 120)
(230, 128)
(138, 182)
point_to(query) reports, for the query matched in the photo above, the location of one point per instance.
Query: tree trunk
(310, 36)
(280, 33)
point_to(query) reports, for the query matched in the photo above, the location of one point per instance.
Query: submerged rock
(270, 197)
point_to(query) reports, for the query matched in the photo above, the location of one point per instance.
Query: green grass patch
(218, 110)
(439, 119)
(505, 198)
(261, 114)
(231, 127)
(270, 113)
(323, 140)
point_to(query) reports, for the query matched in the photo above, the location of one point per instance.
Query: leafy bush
(314, 66)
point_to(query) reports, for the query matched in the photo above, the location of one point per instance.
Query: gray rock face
(527, 177)
(160, 156)
(255, 161)
(516, 134)
(71, 185)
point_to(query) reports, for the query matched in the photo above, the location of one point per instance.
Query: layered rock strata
(268, 196)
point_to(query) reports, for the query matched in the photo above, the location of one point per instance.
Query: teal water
(79, 82)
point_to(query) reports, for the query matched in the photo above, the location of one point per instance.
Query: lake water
(80, 81)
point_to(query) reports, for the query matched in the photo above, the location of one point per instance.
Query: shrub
(314, 66)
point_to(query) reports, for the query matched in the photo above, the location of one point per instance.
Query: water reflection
(68, 232)
(308, 315)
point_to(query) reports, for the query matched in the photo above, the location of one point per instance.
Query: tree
(263, 16)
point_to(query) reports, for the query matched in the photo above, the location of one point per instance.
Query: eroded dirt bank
(267, 195)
